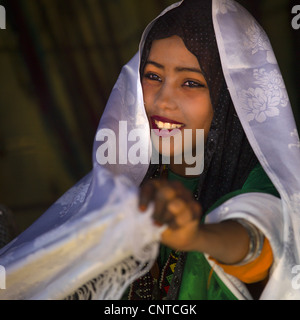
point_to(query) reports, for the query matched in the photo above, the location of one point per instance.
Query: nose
(166, 98)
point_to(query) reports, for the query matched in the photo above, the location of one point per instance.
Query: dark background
(59, 60)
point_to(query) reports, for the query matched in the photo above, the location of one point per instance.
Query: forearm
(227, 241)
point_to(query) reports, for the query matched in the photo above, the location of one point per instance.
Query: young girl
(183, 84)
(228, 232)
(208, 65)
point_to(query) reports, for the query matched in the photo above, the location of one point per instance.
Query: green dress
(199, 281)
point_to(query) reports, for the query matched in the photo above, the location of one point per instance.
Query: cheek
(201, 114)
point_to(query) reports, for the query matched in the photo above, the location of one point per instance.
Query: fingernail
(143, 207)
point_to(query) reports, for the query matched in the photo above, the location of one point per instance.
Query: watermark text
(2, 18)
(296, 278)
(2, 278)
(131, 146)
(296, 19)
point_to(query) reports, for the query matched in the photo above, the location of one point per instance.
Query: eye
(152, 76)
(193, 84)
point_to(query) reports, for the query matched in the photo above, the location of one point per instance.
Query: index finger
(147, 193)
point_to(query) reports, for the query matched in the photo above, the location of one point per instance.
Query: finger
(163, 196)
(167, 219)
(147, 194)
(182, 191)
(188, 197)
(166, 192)
(176, 206)
(177, 213)
(183, 212)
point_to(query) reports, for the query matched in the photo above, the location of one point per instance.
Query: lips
(164, 127)
(165, 123)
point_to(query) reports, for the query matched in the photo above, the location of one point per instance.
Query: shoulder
(257, 181)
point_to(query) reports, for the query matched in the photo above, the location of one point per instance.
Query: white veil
(93, 241)
(94, 236)
(261, 101)
(95, 231)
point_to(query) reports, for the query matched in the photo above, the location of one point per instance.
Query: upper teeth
(167, 125)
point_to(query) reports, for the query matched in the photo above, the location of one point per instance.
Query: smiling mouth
(164, 123)
(167, 125)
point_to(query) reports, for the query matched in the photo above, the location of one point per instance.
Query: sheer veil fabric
(261, 101)
(93, 237)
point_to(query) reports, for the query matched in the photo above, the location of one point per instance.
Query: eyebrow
(178, 69)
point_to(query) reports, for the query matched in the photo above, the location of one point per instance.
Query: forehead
(172, 50)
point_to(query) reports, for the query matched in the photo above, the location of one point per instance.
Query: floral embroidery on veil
(76, 195)
(256, 40)
(263, 101)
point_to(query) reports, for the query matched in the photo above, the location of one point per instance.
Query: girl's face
(175, 91)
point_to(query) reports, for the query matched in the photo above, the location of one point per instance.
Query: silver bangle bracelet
(255, 244)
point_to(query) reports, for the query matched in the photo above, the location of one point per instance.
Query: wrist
(227, 241)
